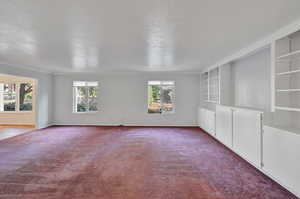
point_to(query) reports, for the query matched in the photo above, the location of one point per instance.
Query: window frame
(161, 103)
(86, 86)
(17, 107)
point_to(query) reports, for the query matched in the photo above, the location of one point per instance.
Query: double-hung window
(85, 96)
(161, 97)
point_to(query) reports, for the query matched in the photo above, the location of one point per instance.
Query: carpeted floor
(127, 163)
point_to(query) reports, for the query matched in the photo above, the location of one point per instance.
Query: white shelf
(288, 90)
(288, 72)
(287, 108)
(290, 55)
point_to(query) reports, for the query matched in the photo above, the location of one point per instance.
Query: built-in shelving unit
(287, 73)
(214, 85)
(204, 86)
(211, 86)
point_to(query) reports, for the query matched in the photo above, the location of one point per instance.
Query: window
(26, 96)
(161, 95)
(85, 96)
(9, 101)
(7, 97)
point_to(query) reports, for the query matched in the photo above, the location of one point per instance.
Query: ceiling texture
(134, 35)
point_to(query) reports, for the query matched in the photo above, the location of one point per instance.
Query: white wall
(251, 75)
(44, 92)
(123, 100)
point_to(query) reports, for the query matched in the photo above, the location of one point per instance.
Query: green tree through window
(85, 96)
(161, 96)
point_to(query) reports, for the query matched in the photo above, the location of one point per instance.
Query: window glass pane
(93, 98)
(167, 97)
(85, 96)
(8, 97)
(26, 95)
(81, 94)
(154, 99)
(161, 96)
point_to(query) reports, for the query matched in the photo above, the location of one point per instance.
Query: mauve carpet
(127, 163)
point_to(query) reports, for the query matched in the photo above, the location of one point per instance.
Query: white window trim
(74, 105)
(174, 97)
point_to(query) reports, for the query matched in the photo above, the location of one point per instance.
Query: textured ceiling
(134, 35)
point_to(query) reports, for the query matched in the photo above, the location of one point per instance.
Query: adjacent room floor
(7, 131)
(127, 163)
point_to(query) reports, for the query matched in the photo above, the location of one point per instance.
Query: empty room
(149, 99)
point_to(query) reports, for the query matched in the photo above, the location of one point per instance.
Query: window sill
(16, 112)
(169, 113)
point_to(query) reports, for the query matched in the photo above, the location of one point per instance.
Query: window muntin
(85, 97)
(161, 97)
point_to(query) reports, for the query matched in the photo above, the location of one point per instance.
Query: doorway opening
(17, 105)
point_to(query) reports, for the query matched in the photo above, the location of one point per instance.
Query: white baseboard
(45, 125)
(109, 124)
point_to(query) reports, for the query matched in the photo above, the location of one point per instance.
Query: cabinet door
(203, 119)
(224, 125)
(210, 122)
(247, 135)
(282, 156)
(199, 117)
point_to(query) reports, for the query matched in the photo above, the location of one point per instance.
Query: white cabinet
(199, 116)
(247, 134)
(210, 122)
(274, 151)
(203, 119)
(224, 132)
(207, 120)
(281, 157)
(241, 130)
